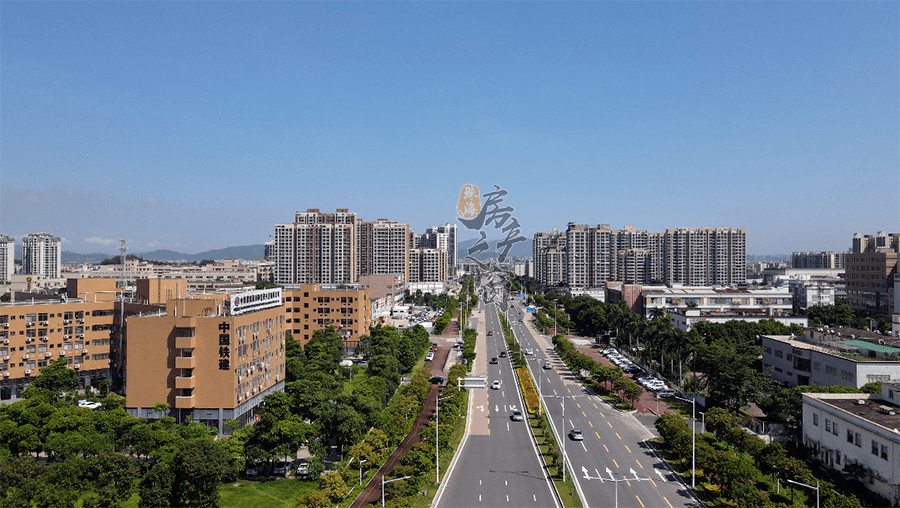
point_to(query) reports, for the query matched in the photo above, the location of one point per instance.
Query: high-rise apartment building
(869, 272)
(7, 258)
(427, 265)
(317, 248)
(447, 242)
(384, 248)
(594, 255)
(42, 255)
(825, 259)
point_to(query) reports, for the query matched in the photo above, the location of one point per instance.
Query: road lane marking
(604, 446)
(585, 447)
(638, 463)
(507, 426)
(629, 449)
(667, 502)
(569, 389)
(584, 414)
(598, 435)
(507, 498)
(610, 425)
(534, 496)
(618, 436)
(651, 481)
(595, 406)
(479, 498)
(616, 463)
(579, 405)
(554, 392)
(589, 423)
(639, 501)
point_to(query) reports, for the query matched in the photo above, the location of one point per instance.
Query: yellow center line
(584, 414)
(651, 481)
(667, 502)
(618, 436)
(604, 446)
(629, 449)
(636, 460)
(598, 435)
(589, 423)
(628, 483)
(595, 406)
(616, 463)
(570, 390)
(639, 501)
(579, 405)
(610, 425)
(601, 414)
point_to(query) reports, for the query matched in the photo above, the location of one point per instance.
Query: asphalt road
(498, 464)
(613, 446)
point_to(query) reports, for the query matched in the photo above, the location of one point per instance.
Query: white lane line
(534, 496)
(507, 426)
(507, 498)
(496, 408)
(554, 392)
(582, 445)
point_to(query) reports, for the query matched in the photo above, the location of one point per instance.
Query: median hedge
(529, 393)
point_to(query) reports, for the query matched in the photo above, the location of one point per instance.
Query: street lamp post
(383, 483)
(703, 419)
(437, 426)
(816, 488)
(360, 470)
(693, 402)
(562, 435)
(554, 318)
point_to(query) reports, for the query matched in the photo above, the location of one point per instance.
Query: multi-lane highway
(498, 463)
(613, 446)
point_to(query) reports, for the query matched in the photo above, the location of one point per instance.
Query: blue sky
(200, 125)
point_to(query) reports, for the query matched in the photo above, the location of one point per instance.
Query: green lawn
(264, 494)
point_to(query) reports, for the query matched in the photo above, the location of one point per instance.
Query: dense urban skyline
(196, 126)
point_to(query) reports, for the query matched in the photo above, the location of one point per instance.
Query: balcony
(185, 342)
(182, 402)
(183, 383)
(185, 362)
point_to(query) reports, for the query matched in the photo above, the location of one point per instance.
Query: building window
(817, 365)
(858, 440)
(837, 457)
(779, 354)
(874, 447)
(847, 376)
(832, 371)
(884, 452)
(827, 425)
(834, 429)
(816, 420)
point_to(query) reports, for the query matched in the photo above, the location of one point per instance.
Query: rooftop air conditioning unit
(24, 357)
(84, 351)
(62, 353)
(77, 366)
(48, 354)
(28, 372)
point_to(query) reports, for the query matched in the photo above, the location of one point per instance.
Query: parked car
(429, 356)
(363, 363)
(302, 468)
(281, 468)
(88, 404)
(576, 435)
(517, 416)
(252, 470)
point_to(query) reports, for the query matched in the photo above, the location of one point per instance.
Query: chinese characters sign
(224, 346)
(476, 216)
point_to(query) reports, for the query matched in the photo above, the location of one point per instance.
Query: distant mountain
(246, 252)
(519, 249)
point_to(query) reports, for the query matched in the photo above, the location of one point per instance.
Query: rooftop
(875, 410)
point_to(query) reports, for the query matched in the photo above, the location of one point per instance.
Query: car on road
(429, 356)
(517, 416)
(529, 352)
(494, 361)
(363, 363)
(88, 404)
(490, 333)
(576, 435)
(547, 366)
(502, 354)
(438, 380)
(495, 385)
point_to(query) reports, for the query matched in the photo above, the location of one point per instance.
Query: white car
(495, 385)
(529, 352)
(88, 404)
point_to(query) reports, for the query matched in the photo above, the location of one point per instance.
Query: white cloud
(150, 200)
(101, 241)
(153, 244)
